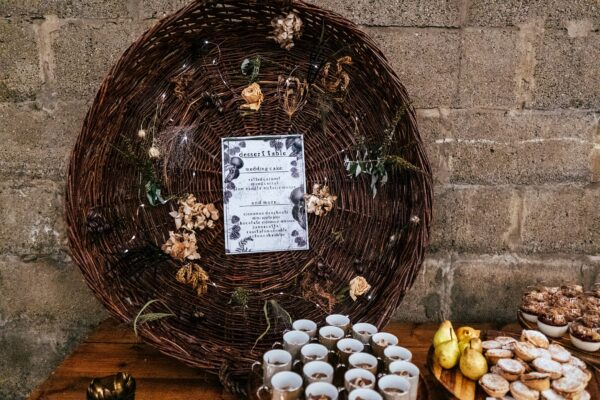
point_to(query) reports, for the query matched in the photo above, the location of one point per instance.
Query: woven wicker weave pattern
(123, 266)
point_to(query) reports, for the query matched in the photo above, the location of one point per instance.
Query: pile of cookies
(531, 369)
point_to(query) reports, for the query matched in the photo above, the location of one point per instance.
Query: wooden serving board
(588, 357)
(462, 388)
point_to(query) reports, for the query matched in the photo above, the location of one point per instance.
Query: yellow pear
(466, 333)
(476, 344)
(444, 333)
(473, 364)
(447, 354)
(463, 345)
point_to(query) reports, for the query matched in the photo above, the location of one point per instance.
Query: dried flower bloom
(286, 29)
(320, 201)
(154, 152)
(335, 79)
(181, 246)
(253, 97)
(193, 215)
(358, 287)
(194, 275)
(182, 83)
(294, 94)
(415, 219)
(142, 133)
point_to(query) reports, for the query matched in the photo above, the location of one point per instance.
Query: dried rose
(358, 287)
(320, 201)
(194, 275)
(181, 246)
(253, 97)
(286, 29)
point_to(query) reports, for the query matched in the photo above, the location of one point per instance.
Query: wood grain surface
(113, 347)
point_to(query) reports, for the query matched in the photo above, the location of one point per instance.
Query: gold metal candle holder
(115, 387)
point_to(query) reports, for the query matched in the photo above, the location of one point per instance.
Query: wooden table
(113, 347)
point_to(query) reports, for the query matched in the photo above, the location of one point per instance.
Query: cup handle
(277, 345)
(254, 370)
(263, 390)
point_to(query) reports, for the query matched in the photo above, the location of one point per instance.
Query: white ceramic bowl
(552, 331)
(529, 317)
(585, 346)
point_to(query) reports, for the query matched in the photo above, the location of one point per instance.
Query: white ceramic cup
(305, 325)
(286, 386)
(339, 320)
(329, 336)
(364, 394)
(317, 371)
(396, 353)
(380, 341)
(409, 371)
(347, 347)
(365, 379)
(274, 361)
(363, 360)
(393, 387)
(321, 389)
(293, 341)
(313, 352)
(363, 331)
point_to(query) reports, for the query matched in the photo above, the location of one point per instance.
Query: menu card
(263, 194)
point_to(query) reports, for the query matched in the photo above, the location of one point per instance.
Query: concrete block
(474, 219)
(20, 76)
(554, 13)
(33, 9)
(37, 143)
(487, 71)
(426, 60)
(85, 51)
(561, 219)
(439, 13)
(566, 73)
(527, 162)
(427, 299)
(31, 214)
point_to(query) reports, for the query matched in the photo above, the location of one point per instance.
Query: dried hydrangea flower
(286, 29)
(194, 275)
(253, 97)
(154, 152)
(193, 215)
(181, 246)
(358, 287)
(320, 201)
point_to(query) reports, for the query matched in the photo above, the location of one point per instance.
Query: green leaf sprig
(142, 318)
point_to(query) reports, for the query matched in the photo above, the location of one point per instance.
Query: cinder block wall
(508, 98)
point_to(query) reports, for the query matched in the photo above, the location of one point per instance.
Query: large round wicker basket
(116, 236)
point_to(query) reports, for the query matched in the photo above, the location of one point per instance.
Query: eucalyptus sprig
(377, 161)
(141, 318)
